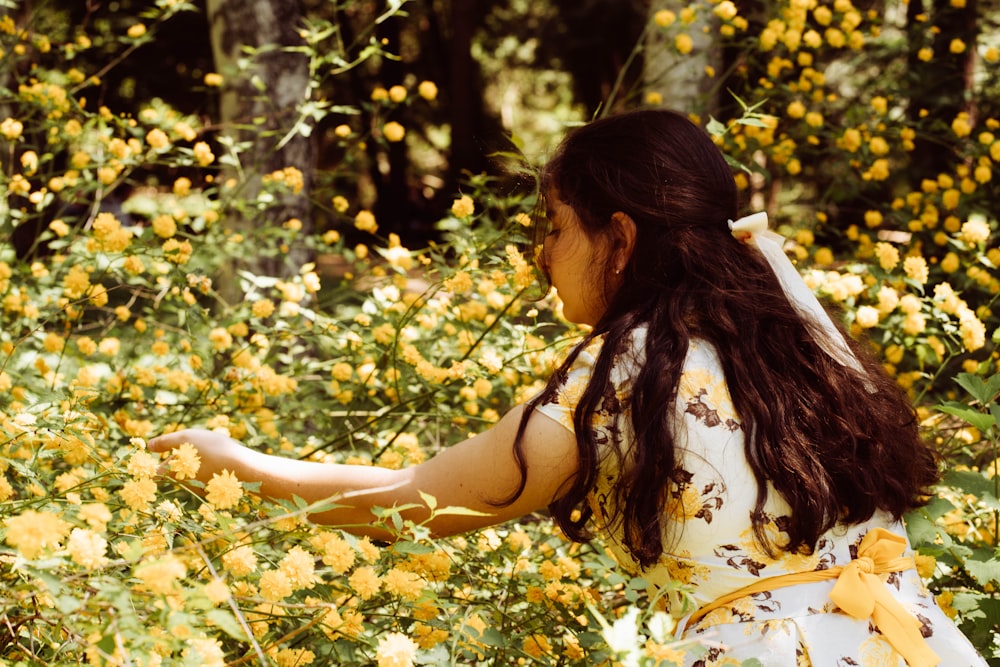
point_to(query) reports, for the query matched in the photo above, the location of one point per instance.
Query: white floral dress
(713, 548)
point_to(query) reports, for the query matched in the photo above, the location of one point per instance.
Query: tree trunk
(264, 97)
(680, 80)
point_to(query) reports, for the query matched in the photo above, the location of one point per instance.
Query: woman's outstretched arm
(470, 474)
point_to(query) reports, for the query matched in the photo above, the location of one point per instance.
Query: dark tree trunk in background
(464, 93)
(597, 46)
(269, 110)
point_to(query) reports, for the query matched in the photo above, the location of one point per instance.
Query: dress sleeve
(563, 405)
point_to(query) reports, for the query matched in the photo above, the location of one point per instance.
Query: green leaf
(225, 620)
(971, 482)
(983, 391)
(921, 527)
(984, 571)
(981, 421)
(715, 128)
(429, 500)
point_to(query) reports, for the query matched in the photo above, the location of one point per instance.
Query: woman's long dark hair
(836, 443)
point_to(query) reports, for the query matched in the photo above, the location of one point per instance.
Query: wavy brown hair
(837, 443)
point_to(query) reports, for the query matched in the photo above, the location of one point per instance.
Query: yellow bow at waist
(860, 593)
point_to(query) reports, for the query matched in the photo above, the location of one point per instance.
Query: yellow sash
(860, 593)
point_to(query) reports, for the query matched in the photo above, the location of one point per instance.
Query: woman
(714, 426)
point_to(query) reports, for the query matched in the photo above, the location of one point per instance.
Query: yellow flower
(220, 338)
(926, 54)
(888, 299)
(87, 548)
(32, 531)
(537, 645)
(164, 226)
(796, 109)
(887, 254)
(157, 139)
(29, 161)
(11, 129)
(365, 582)
(397, 94)
(725, 10)
(973, 331)
(213, 79)
(6, 490)
(960, 125)
(407, 585)
(298, 566)
(160, 575)
(914, 324)
(683, 43)
(337, 553)
(138, 493)
(365, 221)
(463, 207)
(204, 651)
(925, 565)
(275, 585)
(975, 232)
(217, 591)
(916, 269)
(851, 140)
(142, 464)
(224, 490)
(262, 308)
(427, 90)
(109, 234)
(878, 146)
(241, 561)
(136, 30)
(393, 131)
(395, 650)
(295, 657)
(956, 46)
(867, 317)
(184, 461)
(664, 18)
(203, 154)
(879, 170)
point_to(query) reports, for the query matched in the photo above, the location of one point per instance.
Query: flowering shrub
(115, 327)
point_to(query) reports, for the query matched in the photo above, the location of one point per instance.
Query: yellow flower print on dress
(686, 501)
(705, 395)
(681, 568)
(877, 652)
(750, 556)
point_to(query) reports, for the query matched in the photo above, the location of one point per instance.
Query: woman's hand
(217, 451)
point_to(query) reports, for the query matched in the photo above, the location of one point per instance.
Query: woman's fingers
(167, 441)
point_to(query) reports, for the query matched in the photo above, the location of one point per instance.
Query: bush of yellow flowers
(114, 329)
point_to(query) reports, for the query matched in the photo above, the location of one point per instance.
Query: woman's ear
(623, 234)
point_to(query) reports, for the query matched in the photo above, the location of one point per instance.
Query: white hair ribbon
(752, 230)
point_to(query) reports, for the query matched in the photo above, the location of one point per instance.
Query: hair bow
(752, 230)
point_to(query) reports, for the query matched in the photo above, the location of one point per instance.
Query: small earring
(618, 272)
